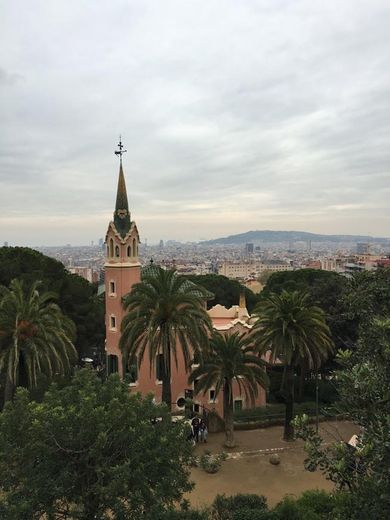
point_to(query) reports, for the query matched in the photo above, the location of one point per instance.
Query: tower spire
(122, 220)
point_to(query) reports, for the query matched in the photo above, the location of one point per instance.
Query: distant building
(242, 270)
(161, 244)
(249, 249)
(101, 242)
(5, 244)
(92, 275)
(362, 248)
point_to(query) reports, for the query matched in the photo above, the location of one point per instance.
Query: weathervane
(120, 152)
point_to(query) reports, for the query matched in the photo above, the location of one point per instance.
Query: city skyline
(267, 115)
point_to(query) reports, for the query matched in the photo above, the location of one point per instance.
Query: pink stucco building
(122, 271)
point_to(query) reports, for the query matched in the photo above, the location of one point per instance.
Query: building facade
(122, 271)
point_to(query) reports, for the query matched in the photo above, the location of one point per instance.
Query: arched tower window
(134, 247)
(111, 253)
(107, 251)
(128, 250)
(117, 251)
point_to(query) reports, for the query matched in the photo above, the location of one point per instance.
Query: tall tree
(165, 313)
(231, 358)
(295, 332)
(363, 382)
(90, 450)
(77, 298)
(35, 337)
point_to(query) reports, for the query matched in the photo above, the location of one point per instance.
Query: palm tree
(231, 359)
(296, 334)
(35, 337)
(165, 313)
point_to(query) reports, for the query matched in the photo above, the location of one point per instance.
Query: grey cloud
(244, 114)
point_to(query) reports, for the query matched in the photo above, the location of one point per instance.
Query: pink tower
(122, 269)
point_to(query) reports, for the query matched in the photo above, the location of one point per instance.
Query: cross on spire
(120, 152)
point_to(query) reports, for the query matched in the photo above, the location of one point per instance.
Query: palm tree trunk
(228, 416)
(166, 381)
(289, 390)
(301, 383)
(283, 379)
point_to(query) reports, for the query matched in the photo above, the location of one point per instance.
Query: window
(159, 367)
(131, 371)
(134, 247)
(196, 408)
(180, 403)
(112, 364)
(128, 250)
(111, 247)
(117, 251)
(237, 405)
(212, 395)
(112, 288)
(112, 322)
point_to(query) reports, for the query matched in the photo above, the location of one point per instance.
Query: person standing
(195, 427)
(203, 431)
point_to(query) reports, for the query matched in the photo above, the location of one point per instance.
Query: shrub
(211, 463)
(227, 508)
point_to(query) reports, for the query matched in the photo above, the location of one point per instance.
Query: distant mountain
(291, 236)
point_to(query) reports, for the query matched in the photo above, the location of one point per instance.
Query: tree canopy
(226, 291)
(364, 387)
(77, 298)
(90, 450)
(35, 336)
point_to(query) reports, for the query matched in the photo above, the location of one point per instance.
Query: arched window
(128, 250)
(111, 247)
(107, 251)
(134, 247)
(117, 251)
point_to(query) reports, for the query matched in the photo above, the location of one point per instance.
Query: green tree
(364, 386)
(294, 332)
(165, 313)
(90, 450)
(231, 359)
(77, 298)
(226, 291)
(35, 337)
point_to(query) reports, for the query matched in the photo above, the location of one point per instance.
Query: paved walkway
(271, 438)
(248, 469)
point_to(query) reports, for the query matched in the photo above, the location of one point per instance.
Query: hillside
(291, 236)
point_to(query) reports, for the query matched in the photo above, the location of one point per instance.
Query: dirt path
(254, 473)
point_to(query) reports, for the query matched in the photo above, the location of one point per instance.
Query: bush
(316, 501)
(311, 505)
(239, 507)
(192, 514)
(273, 411)
(212, 463)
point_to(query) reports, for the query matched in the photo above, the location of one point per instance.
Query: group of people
(199, 429)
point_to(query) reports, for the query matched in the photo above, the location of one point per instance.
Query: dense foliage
(90, 450)
(35, 336)
(311, 505)
(296, 335)
(364, 384)
(226, 291)
(77, 298)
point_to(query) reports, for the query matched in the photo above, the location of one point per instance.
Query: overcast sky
(236, 114)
